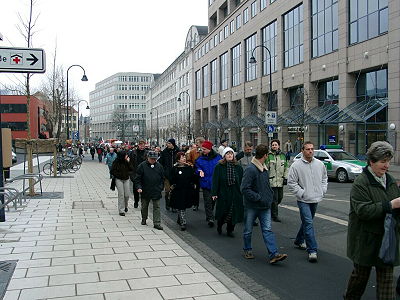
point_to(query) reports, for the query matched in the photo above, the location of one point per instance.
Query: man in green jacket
(278, 172)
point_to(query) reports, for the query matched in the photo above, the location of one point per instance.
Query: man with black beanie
(136, 157)
(167, 160)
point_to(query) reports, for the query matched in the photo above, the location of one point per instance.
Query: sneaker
(136, 205)
(302, 246)
(277, 257)
(312, 257)
(143, 222)
(158, 227)
(122, 214)
(248, 254)
(126, 209)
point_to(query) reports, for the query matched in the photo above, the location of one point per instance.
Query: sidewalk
(71, 243)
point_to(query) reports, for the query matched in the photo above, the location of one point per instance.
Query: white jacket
(308, 181)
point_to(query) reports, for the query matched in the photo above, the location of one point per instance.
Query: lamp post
(84, 78)
(253, 61)
(189, 136)
(151, 113)
(87, 107)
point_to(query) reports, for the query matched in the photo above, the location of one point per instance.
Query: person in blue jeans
(257, 200)
(308, 181)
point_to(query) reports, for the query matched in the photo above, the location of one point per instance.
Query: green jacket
(227, 195)
(369, 203)
(277, 168)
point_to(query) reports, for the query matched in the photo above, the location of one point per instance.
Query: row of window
(13, 108)
(367, 19)
(131, 106)
(130, 97)
(134, 78)
(128, 87)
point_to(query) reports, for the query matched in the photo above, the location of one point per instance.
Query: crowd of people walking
(248, 186)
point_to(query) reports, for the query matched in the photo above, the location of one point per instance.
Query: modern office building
(170, 100)
(331, 70)
(118, 106)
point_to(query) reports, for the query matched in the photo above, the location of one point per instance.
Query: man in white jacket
(308, 181)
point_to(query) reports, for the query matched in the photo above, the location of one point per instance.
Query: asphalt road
(294, 278)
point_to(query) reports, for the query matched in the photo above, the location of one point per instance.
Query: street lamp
(84, 78)
(189, 136)
(151, 122)
(87, 107)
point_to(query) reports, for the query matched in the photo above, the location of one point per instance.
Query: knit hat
(152, 154)
(207, 144)
(226, 150)
(172, 141)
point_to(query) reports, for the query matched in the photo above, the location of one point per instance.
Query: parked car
(340, 165)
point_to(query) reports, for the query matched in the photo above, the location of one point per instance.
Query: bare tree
(121, 123)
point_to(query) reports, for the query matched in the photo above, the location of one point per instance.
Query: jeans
(306, 231)
(123, 194)
(264, 215)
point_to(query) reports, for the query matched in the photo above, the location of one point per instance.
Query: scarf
(231, 173)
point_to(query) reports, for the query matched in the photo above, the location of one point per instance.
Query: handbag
(112, 186)
(387, 252)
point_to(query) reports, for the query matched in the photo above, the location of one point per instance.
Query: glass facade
(269, 36)
(372, 85)
(368, 19)
(236, 57)
(293, 36)
(251, 69)
(224, 71)
(328, 92)
(213, 76)
(324, 27)
(206, 91)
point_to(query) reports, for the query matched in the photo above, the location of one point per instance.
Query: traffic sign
(271, 117)
(22, 60)
(270, 128)
(75, 135)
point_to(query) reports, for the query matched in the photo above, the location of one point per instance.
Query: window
(254, 9)
(296, 97)
(368, 19)
(213, 76)
(236, 57)
(324, 27)
(232, 27)
(272, 1)
(13, 108)
(224, 71)
(328, 92)
(251, 70)
(238, 21)
(15, 126)
(269, 37)
(245, 15)
(215, 40)
(372, 85)
(293, 36)
(221, 36)
(205, 81)
(226, 31)
(263, 4)
(198, 84)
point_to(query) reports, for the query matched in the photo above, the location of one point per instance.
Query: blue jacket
(255, 187)
(110, 158)
(207, 163)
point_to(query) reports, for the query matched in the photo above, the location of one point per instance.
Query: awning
(292, 116)
(358, 112)
(211, 125)
(253, 121)
(319, 114)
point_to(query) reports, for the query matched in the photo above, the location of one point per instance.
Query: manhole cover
(87, 204)
(7, 268)
(49, 195)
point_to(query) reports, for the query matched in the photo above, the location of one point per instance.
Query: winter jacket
(120, 169)
(227, 195)
(110, 157)
(150, 180)
(308, 181)
(369, 203)
(207, 163)
(136, 157)
(277, 168)
(183, 180)
(167, 160)
(257, 193)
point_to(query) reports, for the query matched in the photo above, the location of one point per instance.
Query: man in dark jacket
(167, 160)
(149, 182)
(257, 199)
(136, 157)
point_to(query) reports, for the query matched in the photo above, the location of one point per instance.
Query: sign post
(270, 121)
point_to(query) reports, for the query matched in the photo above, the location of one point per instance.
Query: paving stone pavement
(78, 247)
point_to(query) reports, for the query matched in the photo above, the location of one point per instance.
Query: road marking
(328, 199)
(321, 216)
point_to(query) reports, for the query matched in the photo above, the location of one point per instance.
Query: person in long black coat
(183, 180)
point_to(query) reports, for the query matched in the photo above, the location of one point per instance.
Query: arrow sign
(270, 117)
(34, 59)
(22, 60)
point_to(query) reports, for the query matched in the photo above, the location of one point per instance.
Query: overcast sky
(104, 36)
